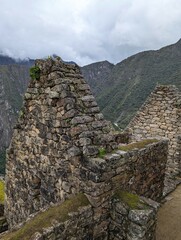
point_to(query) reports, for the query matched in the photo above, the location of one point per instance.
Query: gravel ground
(169, 217)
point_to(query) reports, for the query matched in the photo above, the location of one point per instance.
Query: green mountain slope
(96, 75)
(130, 82)
(14, 79)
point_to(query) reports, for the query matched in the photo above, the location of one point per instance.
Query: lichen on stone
(139, 145)
(131, 200)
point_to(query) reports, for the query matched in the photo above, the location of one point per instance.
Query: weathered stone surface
(59, 111)
(61, 146)
(160, 116)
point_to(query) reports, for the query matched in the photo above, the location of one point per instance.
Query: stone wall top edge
(149, 147)
(58, 61)
(118, 156)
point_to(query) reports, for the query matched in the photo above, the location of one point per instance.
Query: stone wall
(59, 124)
(142, 171)
(160, 117)
(133, 217)
(62, 146)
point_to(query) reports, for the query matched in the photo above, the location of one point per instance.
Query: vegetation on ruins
(102, 152)
(35, 72)
(139, 145)
(132, 200)
(44, 220)
(2, 192)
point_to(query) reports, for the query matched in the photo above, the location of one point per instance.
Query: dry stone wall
(143, 171)
(160, 117)
(58, 125)
(62, 146)
(138, 222)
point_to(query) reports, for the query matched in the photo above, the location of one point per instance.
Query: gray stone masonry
(62, 146)
(160, 117)
(60, 125)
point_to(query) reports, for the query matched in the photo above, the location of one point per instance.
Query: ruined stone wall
(62, 146)
(133, 217)
(59, 125)
(138, 171)
(128, 220)
(160, 116)
(143, 170)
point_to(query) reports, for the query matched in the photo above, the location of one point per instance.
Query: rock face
(62, 146)
(160, 116)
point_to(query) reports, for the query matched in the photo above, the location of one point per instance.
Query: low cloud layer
(86, 31)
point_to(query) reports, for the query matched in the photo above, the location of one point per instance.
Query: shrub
(35, 73)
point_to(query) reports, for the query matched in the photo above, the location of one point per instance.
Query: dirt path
(169, 218)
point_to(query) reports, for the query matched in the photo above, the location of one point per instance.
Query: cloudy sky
(86, 31)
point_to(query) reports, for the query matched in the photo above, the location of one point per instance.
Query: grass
(1, 192)
(132, 200)
(102, 152)
(138, 145)
(44, 219)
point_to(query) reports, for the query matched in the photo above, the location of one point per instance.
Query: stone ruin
(64, 151)
(160, 117)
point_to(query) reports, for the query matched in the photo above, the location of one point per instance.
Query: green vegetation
(21, 113)
(132, 200)
(35, 72)
(44, 219)
(2, 192)
(138, 145)
(102, 152)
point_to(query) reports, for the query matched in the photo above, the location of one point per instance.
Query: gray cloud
(87, 30)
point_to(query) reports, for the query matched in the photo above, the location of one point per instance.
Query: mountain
(121, 89)
(6, 60)
(14, 78)
(96, 74)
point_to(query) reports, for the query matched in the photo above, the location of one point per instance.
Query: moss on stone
(131, 200)
(102, 152)
(138, 145)
(44, 219)
(1, 192)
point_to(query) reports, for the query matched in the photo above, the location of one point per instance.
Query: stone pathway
(169, 217)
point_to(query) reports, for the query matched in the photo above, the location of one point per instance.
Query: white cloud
(87, 30)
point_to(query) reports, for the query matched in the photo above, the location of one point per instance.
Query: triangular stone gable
(160, 116)
(59, 126)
